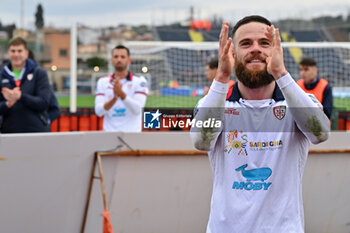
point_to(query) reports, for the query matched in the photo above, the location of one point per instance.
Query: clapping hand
(117, 88)
(275, 63)
(12, 96)
(226, 56)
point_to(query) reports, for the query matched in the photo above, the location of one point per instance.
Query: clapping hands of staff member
(275, 64)
(12, 96)
(117, 89)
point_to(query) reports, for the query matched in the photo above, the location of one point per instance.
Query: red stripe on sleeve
(140, 92)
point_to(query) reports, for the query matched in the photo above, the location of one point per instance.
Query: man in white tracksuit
(259, 150)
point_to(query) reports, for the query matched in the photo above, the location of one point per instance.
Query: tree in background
(39, 17)
(8, 29)
(96, 61)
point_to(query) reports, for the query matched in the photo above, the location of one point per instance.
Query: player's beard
(120, 68)
(252, 78)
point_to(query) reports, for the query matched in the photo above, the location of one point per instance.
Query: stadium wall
(45, 181)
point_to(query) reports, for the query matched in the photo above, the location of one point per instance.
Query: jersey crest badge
(30, 77)
(279, 112)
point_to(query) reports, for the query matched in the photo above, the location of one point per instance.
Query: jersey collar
(128, 77)
(311, 85)
(236, 95)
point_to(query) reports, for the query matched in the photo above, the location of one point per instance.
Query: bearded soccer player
(121, 96)
(259, 150)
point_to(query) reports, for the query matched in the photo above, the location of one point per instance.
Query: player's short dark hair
(249, 19)
(307, 61)
(213, 64)
(122, 47)
(18, 41)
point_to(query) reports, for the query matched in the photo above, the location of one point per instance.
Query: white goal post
(177, 69)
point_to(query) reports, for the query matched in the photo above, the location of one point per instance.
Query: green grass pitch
(152, 101)
(171, 102)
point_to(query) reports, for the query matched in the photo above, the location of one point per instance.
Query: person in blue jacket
(25, 92)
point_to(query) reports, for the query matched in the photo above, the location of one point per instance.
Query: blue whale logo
(255, 174)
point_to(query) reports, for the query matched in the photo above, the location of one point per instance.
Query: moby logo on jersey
(258, 174)
(119, 112)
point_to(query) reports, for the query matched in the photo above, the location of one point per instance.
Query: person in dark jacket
(54, 108)
(25, 92)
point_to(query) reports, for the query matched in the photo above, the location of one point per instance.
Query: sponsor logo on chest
(237, 142)
(254, 178)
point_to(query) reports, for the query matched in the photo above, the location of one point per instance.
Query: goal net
(176, 70)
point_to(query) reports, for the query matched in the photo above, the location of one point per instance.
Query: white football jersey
(125, 115)
(258, 162)
(258, 156)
